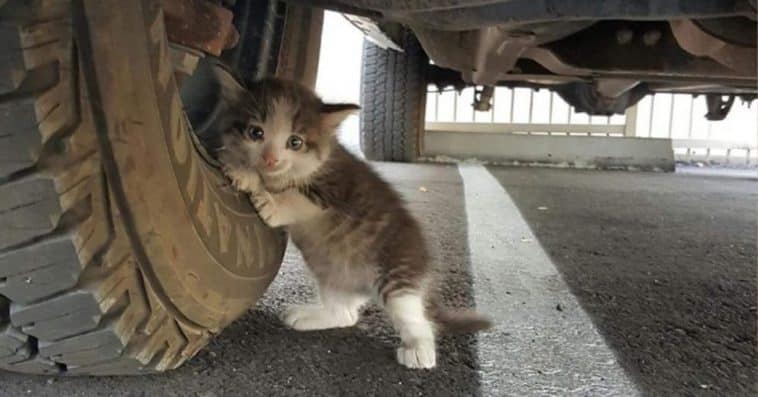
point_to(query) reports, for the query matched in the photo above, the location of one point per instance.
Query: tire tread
(72, 300)
(393, 96)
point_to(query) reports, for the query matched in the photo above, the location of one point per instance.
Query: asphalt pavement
(600, 283)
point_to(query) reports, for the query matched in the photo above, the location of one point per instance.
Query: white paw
(266, 208)
(310, 317)
(244, 180)
(420, 355)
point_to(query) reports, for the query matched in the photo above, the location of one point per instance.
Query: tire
(121, 251)
(393, 96)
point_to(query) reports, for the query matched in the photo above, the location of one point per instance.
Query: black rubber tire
(393, 97)
(121, 250)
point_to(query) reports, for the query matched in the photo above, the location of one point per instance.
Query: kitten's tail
(455, 321)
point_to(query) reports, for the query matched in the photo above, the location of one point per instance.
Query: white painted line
(534, 349)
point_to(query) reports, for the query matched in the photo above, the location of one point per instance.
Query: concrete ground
(600, 283)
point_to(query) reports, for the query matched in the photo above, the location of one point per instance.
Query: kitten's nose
(270, 160)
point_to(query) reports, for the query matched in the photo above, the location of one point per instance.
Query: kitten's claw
(311, 318)
(420, 355)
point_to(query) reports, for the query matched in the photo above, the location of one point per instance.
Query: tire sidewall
(200, 246)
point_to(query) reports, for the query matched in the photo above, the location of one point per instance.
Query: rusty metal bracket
(497, 51)
(373, 32)
(699, 43)
(718, 107)
(200, 25)
(483, 98)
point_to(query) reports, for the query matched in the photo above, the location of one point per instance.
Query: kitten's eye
(294, 142)
(254, 132)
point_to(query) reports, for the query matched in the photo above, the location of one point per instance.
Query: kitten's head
(278, 128)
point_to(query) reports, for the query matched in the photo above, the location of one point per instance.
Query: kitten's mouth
(276, 171)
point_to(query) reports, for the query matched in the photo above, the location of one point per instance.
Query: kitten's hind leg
(337, 309)
(406, 310)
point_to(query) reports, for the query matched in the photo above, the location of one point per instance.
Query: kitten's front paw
(311, 318)
(266, 208)
(420, 355)
(243, 180)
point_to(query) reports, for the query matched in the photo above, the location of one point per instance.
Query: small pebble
(541, 208)
(422, 189)
(559, 307)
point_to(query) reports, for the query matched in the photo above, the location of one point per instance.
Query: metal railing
(678, 117)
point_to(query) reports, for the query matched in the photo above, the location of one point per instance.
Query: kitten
(358, 239)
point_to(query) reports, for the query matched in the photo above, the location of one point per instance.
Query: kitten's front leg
(284, 208)
(267, 208)
(264, 202)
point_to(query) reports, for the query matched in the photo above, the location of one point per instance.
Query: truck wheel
(121, 249)
(393, 96)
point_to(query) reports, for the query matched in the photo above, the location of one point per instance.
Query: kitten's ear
(333, 114)
(231, 89)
